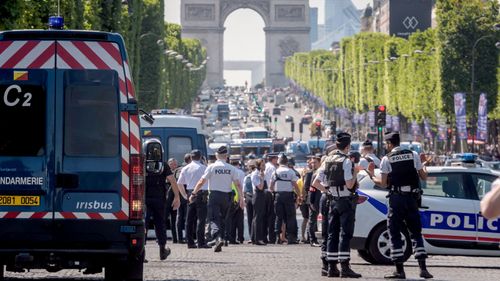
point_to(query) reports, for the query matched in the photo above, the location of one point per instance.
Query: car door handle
(423, 207)
(67, 181)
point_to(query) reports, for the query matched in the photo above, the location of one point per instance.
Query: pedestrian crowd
(209, 201)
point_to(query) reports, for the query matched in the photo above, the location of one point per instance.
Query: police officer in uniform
(271, 166)
(401, 171)
(157, 174)
(368, 156)
(219, 175)
(339, 174)
(197, 210)
(284, 183)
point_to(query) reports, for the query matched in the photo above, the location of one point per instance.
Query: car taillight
(136, 187)
(362, 199)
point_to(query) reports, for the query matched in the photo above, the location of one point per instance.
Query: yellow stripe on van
(147, 133)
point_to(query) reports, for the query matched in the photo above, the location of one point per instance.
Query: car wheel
(380, 245)
(113, 272)
(365, 254)
(135, 269)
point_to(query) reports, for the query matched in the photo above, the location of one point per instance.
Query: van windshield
(91, 126)
(22, 112)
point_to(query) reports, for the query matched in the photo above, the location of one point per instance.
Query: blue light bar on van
(56, 22)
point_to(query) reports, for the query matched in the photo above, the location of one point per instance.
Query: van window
(178, 147)
(91, 115)
(22, 112)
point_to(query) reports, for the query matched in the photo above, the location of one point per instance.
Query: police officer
(339, 174)
(235, 215)
(219, 176)
(368, 156)
(182, 211)
(197, 210)
(271, 166)
(401, 171)
(157, 174)
(284, 183)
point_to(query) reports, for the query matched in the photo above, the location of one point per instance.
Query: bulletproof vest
(403, 169)
(155, 185)
(334, 170)
(278, 178)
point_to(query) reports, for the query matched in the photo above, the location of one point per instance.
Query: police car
(450, 213)
(71, 170)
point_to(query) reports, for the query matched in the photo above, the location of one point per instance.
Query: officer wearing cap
(196, 210)
(219, 175)
(284, 183)
(338, 173)
(401, 171)
(270, 168)
(368, 156)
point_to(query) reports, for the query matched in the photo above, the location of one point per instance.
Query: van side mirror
(147, 117)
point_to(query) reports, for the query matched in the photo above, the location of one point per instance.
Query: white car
(450, 215)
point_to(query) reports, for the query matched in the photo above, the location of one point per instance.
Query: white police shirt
(283, 178)
(268, 172)
(191, 174)
(241, 177)
(220, 176)
(256, 179)
(364, 163)
(385, 165)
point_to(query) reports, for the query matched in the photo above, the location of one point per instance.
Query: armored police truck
(71, 170)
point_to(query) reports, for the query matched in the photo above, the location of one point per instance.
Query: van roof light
(56, 22)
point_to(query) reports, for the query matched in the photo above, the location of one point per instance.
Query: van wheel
(114, 272)
(380, 245)
(135, 270)
(1, 271)
(365, 254)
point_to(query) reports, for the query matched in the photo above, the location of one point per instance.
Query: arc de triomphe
(286, 28)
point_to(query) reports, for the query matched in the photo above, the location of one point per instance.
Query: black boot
(398, 274)
(164, 252)
(324, 268)
(346, 271)
(423, 270)
(332, 269)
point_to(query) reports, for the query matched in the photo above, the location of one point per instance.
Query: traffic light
(333, 127)
(380, 115)
(292, 127)
(301, 127)
(275, 119)
(318, 128)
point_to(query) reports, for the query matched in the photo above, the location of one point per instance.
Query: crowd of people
(210, 201)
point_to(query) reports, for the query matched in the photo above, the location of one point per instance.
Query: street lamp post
(472, 87)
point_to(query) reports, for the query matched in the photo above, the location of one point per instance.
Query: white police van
(450, 213)
(71, 169)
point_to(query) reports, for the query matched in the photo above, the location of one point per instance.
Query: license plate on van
(16, 200)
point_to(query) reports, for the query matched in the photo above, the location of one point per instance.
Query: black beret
(222, 150)
(343, 137)
(392, 137)
(368, 143)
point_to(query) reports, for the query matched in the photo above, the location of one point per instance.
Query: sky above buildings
(244, 37)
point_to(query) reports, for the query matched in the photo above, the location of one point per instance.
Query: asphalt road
(276, 262)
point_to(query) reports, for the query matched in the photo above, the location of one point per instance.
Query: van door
(88, 199)
(26, 142)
